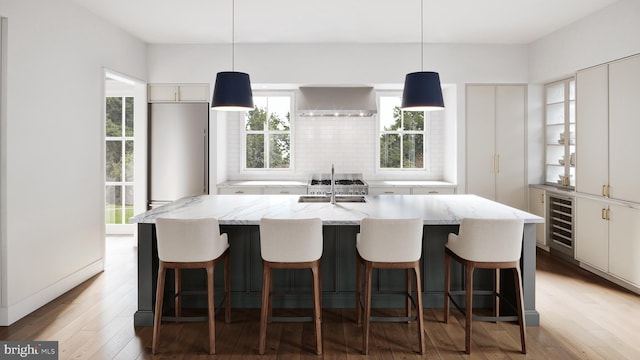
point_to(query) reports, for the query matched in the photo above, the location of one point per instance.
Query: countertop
(410, 183)
(399, 183)
(262, 183)
(249, 209)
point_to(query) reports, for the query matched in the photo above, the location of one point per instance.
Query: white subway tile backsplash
(348, 143)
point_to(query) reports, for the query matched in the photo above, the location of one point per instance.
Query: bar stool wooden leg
(211, 312)
(317, 310)
(264, 311)
(469, 308)
(368, 269)
(447, 285)
(520, 305)
(177, 289)
(420, 315)
(408, 300)
(157, 316)
(496, 290)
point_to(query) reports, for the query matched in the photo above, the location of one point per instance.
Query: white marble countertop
(249, 209)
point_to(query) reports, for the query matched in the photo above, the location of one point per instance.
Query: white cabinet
(178, 93)
(624, 129)
(624, 243)
(241, 190)
(608, 238)
(607, 130)
(538, 206)
(592, 233)
(495, 154)
(429, 190)
(285, 190)
(389, 190)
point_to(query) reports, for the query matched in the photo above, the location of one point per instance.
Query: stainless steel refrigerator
(178, 151)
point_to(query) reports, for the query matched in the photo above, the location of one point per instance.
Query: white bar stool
(488, 244)
(389, 244)
(290, 244)
(190, 244)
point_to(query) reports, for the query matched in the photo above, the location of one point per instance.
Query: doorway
(125, 129)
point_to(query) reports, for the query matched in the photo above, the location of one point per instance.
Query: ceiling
(342, 21)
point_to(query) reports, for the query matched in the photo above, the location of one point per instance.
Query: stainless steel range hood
(352, 101)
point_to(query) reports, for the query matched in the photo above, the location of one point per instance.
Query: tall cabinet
(495, 146)
(607, 175)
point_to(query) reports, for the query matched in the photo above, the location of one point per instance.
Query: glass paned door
(119, 147)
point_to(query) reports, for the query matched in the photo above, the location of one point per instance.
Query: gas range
(345, 184)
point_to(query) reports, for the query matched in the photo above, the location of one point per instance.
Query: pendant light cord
(233, 34)
(422, 35)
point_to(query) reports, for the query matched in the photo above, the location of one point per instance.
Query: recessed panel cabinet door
(481, 113)
(624, 129)
(624, 243)
(510, 134)
(592, 130)
(592, 233)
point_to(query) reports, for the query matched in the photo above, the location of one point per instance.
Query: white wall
(380, 65)
(609, 34)
(53, 160)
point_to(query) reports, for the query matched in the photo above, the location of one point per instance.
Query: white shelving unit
(560, 121)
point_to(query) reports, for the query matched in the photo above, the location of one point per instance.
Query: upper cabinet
(560, 133)
(495, 155)
(607, 130)
(178, 93)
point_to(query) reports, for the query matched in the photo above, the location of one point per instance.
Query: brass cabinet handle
(603, 214)
(541, 198)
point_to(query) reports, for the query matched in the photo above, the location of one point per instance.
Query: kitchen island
(239, 217)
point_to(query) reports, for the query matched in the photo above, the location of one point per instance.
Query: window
(402, 136)
(267, 133)
(119, 160)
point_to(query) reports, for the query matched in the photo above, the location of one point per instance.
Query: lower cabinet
(424, 190)
(608, 238)
(285, 190)
(241, 190)
(389, 190)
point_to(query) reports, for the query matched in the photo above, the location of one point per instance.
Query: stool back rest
(489, 240)
(390, 240)
(290, 240)
(189, 240)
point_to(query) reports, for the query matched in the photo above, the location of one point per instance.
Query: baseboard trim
(612, 278)
(15, 312)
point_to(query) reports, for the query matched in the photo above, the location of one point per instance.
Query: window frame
(425, 132)
(266, 132)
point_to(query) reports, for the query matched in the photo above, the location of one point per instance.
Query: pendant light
(422, 90)
(232, 90)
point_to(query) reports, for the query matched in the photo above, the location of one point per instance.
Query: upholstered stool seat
(389, 244)
(190, 244)
(488, 244)
(290, 244)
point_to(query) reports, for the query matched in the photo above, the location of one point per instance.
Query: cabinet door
(624, 129)
(194, 93)
(430, 190)
(162, 93)
(285, 190)
(537, 206)
(592, 234)
(480, 153)
(592, 130)
(624, 243)
(389, 190)
(511, 184)
(241, 190)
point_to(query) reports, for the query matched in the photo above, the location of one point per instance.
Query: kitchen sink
(326, 199)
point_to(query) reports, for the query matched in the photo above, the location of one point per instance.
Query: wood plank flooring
(582, 317)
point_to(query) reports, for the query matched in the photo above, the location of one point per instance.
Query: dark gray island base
(338, 259)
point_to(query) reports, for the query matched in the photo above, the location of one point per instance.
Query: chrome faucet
(333, 187)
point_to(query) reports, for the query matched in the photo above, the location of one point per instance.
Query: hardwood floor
(582, 317)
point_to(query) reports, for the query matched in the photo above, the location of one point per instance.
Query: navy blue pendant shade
(422, 92)
(232, 92)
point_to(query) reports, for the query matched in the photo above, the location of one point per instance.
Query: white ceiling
(342, 21)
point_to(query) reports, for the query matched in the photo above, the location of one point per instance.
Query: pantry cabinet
(495, 146)
(178, 93)
(607, 130)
